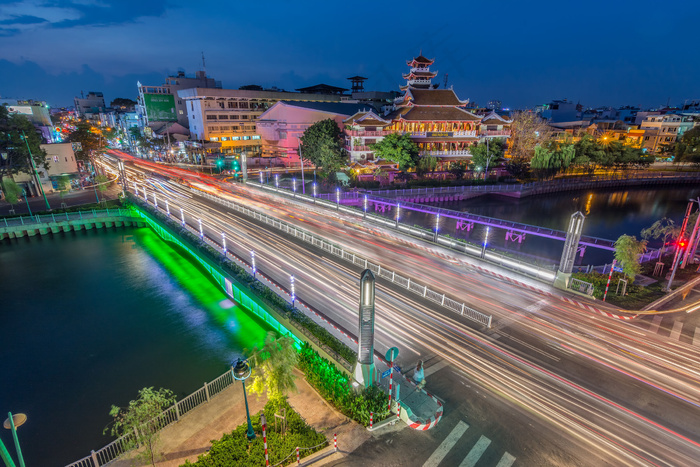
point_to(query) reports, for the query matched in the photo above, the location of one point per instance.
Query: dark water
(87, 319)
(609, 214)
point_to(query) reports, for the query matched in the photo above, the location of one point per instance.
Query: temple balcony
(493, 133)
(357, 148)
(366, 133)
(453, 134)
(462, 153)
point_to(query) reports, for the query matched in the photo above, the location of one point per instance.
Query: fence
(354, 258)
(68, 216)
(169, 416)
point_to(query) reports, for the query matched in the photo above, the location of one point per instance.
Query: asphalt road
(551, 384)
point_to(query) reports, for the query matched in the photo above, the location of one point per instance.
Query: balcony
(446, 153)
(492, 133)
(448, 134)
(357, 148)
(366, 133)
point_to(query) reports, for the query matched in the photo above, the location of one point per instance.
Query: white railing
(63, 217)
(446, 153)
(348, 255)
(169, 416)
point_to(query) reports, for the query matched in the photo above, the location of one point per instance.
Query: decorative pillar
(364, 369)
(568, 255)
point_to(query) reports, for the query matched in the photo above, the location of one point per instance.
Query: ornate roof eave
(372, 115)
(432, 74)
(494, 115)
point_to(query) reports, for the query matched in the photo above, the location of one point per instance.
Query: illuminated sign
(439, 134)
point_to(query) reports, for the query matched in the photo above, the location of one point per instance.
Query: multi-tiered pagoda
(436, 119)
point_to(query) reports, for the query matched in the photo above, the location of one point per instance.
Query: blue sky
(522, 53)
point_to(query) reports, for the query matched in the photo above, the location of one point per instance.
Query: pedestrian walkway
(192, 435)
(673, 327)
(470, 454)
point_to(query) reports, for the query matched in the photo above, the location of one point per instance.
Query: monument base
(365, 374)
(561, 280)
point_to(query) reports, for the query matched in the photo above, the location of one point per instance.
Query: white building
(93, 103)
(663, 130)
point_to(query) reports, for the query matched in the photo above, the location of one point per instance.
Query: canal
(609, 214)
(89, 318)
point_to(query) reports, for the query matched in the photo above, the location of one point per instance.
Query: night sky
(522, 53)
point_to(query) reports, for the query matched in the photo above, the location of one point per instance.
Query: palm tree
(273, 366)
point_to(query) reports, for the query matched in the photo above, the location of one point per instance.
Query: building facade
(229, 117)
(436, 119)
(661, 131)
(94, 102)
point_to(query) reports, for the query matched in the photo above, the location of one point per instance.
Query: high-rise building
(94, 102)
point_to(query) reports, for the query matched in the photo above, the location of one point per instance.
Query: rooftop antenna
(204, 64)
(82, 95)
(445, 83)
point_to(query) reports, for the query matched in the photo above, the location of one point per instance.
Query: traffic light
(236, 166)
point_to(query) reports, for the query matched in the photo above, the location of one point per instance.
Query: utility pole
(692, 242)
(36, 172)
(303, 185)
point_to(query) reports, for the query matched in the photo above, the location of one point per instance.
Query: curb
(432, 421)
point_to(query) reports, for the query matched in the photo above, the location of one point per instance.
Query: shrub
(335, 387)
(233, 448)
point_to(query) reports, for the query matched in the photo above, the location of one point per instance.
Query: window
(246, 137)
(181, 112)
(244, 117)
(225, 128)
(223, 117)
(221, 104)
(224, 138)
(235, 138)
(235, 117)
(66, 159)
(256, 136)
(211, 117)
(213, 138)
(213, 128)
(192, 106)
(242, 105)
(231, 105)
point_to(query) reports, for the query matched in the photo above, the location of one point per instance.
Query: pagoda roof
(431, 97)
(494, 119)
(322, 89)
(367, 118)
(437, 114)
(420, 74)
(357, 77)
(420, 59)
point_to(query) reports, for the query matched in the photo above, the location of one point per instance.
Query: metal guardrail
(67, 216)
(169, 416)
(354, 258)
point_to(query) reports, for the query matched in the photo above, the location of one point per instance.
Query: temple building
(436, 119)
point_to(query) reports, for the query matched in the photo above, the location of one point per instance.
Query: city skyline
(603, 55)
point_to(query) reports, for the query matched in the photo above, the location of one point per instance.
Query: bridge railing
(62, 217)
(351, 256)
(581, 286)
(167, 417)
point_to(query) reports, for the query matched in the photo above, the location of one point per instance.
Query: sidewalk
(192, 435)
(73, 198)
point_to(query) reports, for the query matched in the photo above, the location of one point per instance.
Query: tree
(627, 252)
(90, 140)
(526, 132)
(273, 366)
(549, 162)
(663, 228)
(101, 182)
(458, 169)
(322, 144)
(426, 164)
(483, 155)
(399, 149)
(402, 176)
(11, 190)
(138, 419)
(687, 149)
(123, 103)
(63, 183)
(14, 154)
(518, 168)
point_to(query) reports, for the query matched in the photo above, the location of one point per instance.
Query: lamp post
(182, 216)
(486, 241)
(223, 241)
(24, 193)
(241, 371)
(398, 213)
(252, 262)
(167, 208)
(201, 232)
(314, 192)
(155, 201)
(437, 227)
(365, 206)
(294, 297)
(261, 178)
(277, 182)
(12, 422)
(337, 198)
(294, 186)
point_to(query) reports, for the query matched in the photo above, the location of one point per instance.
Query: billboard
(160, 107)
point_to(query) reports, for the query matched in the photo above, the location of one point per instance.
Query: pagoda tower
(419, 76)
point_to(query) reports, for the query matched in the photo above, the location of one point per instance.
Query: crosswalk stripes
(656, 322)
(475, 453)
(676, 331)
(447, 444)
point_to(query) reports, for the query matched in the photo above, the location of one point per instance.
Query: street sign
(392, 353)
(617, 269)
(385, 374)
(397, 368)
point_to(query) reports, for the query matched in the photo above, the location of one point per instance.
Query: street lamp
(167, 207)
(12, 422)
(294, 297)
(201, 232)
(486, 241)
(337, 198)
(277, 181)
(24, 193)
(437, 227)
(365, 206)
(155, 200)
(182, 216)
(314, 192)
(241, 372)
(252, 262)
(294, 186)
(261, 177)
(398, 213)
(223, 239)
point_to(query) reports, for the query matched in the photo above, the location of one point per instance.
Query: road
(588, 388)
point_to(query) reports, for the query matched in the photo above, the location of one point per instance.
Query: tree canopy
(322, 144)
(483, 155)
(627, 252)
(399, 149)
(90, 140)
(14, 154)
(123, 102)
(687, 149)
(527, 131)
(273, 366)
(548, 162)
